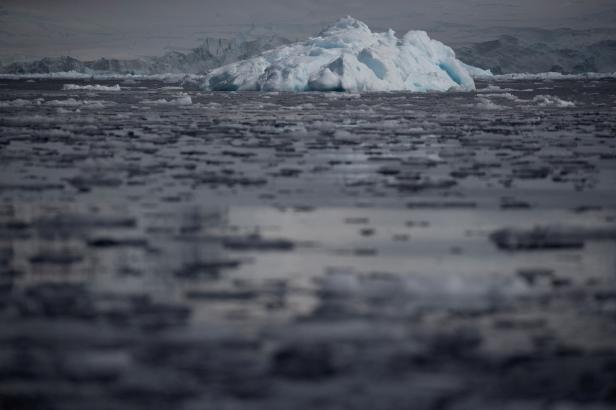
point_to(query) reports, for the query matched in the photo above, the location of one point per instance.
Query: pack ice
(349, 57)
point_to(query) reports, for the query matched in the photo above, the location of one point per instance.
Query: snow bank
(92, 87)
(349, 57)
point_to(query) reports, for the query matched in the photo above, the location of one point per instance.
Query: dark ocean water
(163, 247)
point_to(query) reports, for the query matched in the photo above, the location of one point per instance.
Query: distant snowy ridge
(554, 76)
(171, 78)
(212, 53)
(501, 49)
(537, 51)
(349, 57)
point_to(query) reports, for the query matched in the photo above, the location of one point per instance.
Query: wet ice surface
(169, 248)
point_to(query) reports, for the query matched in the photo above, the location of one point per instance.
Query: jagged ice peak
(348, 56)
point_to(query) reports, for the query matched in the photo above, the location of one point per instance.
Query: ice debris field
(163, 247)
(348, 56)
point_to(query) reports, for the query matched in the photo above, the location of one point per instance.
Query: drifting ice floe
(20, 102)
(92, 87)
(552, 101)
(180, 99)
(71, 102)
(349, 57)
(486, 103)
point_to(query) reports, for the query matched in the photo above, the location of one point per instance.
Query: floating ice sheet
(179, 99)
(92, 87)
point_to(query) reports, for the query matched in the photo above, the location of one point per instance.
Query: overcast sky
(125, 28)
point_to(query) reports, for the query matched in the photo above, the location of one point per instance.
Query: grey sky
(124, 28)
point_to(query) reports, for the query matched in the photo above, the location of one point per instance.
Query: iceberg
(348, 56)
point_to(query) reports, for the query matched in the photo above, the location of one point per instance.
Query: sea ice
(494, 89)
(349, 57)
(92, 87)
(486, 101)
(71, 102)
(20, 102)
(180, 99)
(487, 104)
(552, 101)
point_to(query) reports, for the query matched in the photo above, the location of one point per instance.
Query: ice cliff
(212, 53)
(348, 57)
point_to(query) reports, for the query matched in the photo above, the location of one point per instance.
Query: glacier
(348, 56)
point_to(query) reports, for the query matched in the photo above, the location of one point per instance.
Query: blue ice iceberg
(349, 57)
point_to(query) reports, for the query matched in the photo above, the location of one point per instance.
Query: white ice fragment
(552, 101)
(72, 102)
(180, 99)
(494, 89)
(487, 104)
(20, 102)
(348, 57)
(504, 95)
(342, 95)
(92, 87)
